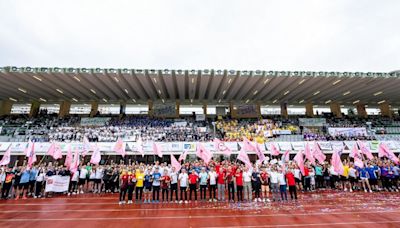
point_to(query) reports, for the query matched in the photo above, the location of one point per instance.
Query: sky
(292, 35)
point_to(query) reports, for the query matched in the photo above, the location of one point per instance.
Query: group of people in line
(217, 181)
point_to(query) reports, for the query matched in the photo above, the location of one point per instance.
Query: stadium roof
(197, 86)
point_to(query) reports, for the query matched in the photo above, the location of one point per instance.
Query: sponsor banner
(175, 146)
(393, 145)
(4, 146)
(281, 132)
(373, 145)
(246, 110)
(167, 109)
(312, 122)
(57, 183)
(356, 131)
(298, 146)
(94, 121)
(189, 146)
(337, 145)
(324, 145)
(200, 117)
(350, 144)
(284, 146)
(268, 134)
(180, 124)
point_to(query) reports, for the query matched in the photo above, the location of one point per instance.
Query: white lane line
(195, 216)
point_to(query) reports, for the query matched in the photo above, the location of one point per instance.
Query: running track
(329, 209)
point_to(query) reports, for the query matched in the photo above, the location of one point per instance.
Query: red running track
(328, 209)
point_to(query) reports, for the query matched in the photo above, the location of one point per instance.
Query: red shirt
(306, 171)
(165, 181)
(239, 179)
(264, 178)
(229, 177)
(124, 179)
(290, 179)
(193, 178)
(221, 178)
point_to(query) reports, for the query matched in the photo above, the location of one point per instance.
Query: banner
(167, 109)
(281, 132)
(312, 122)
(298, 146)
(325, 145)
(350, 144)
(337, 145)
(246, 110)
(95, 121)
(356, 131)
(285, 145)
(373, 145)
(57, 184)
(200, 117)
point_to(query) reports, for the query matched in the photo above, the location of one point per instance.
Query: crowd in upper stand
(49, 127)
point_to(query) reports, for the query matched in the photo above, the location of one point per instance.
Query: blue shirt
(203, 178)
(24, 177)
(371, 172)
(33, 175)
(156, 179)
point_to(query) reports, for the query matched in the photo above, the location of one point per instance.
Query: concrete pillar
(5, 107)
(94, 108)
(309, 110)
(122, 108)
(177, 108)
(65, 106)
(205, 109)
(385, 109)
(284, 112)
(335, 109)
(151, 111)
(35, 106)
(361, 112)
(232, 111)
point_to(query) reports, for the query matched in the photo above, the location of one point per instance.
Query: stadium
(204, 134)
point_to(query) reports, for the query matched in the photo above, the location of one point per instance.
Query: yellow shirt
(346, 171)
(139, 179)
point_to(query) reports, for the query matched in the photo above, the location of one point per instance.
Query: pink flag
(203, 153)
(28, 148)
(299, 161)
(274, 150)
(157, 150)
(175, 163)
(247, 145)
(68, 158)
(386, 152)
(242, 156)
(119, 147)
(354, 152)
(336, 162)
(365, 150)
(285, 156)
(57, 152)
(308, 154)
(32, 156)
(260, 153)
(86, 146)
(182, 157)
(75, 162)
(318, 154)
(358, 162)
(6, 157)
(139, 145)
(54, 151)
(220, 146)
(96, 155)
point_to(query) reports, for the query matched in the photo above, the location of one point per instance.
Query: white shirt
(352, 172)
(40, 177)
(183, 179)
(75, 176)
(99, 174)
(247, 176)
(174, 177)
(83, 173)
(273, 177)
(213, 177)
(297, 173)
(281, 179)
